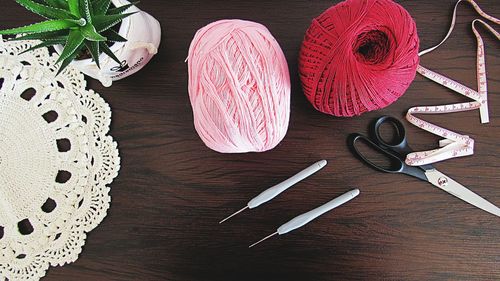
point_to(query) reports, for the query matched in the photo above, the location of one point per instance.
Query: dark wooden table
(172, 190)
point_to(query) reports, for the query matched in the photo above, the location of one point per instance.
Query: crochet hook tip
(261, 240)
(234, 214)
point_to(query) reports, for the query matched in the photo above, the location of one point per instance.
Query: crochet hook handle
(274, 191)
(305, 218)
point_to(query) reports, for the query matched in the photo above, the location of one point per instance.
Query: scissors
(396, 152)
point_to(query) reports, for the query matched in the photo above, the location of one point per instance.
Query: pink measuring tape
(454, 144)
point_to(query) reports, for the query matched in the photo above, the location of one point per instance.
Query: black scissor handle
(400, 144)
(397, 164)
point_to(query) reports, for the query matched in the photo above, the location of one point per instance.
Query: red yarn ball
(358, 56)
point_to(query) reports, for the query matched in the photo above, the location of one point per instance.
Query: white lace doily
(55, 162)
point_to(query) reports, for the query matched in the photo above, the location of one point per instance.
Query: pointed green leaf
(105, 22)
(113, 36)
(93, 48)
(121, 9)
(75, 40)
(50, 25)
(104, 47)
(91, 34)
(84, 6)
(43, 45)
(61, 4)
(45, 11)
(100, 7)
(60, 34)
(74, 7)
(69, 59)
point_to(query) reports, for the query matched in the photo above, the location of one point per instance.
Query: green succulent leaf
(100, 7)
(61, 4)
(105, 22)
(76, 24)
(49, 35)
(121, 9)
(93, 48)
(85, 10)
(69, 59)
(104, 47)
(49, 25)
(75, 41)
(45, 11)
(43, 45)
(74, 7)
(113, 36)
(91, 34)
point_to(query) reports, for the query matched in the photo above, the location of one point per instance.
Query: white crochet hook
(305, 218)
(275, 190)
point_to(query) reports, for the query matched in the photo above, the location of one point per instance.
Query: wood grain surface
(172, 190)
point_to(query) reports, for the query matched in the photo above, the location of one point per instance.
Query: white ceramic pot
(143, 34)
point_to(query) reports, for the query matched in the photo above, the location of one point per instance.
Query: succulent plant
(79, 25)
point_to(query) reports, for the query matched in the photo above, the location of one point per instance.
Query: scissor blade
(449, 185)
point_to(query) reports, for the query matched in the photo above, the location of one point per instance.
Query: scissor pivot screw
(442, 181)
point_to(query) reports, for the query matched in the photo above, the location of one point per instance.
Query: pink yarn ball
(239, 87)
